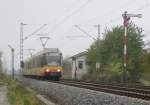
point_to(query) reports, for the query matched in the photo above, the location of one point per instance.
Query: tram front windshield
(53, 60)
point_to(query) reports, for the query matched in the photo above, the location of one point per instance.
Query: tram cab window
(53, 63)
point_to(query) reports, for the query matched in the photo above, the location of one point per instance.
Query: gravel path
(3, 96)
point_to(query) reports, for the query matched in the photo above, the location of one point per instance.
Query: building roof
(79, 54)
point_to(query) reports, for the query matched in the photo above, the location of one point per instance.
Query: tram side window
(43, 61)
(80, 64)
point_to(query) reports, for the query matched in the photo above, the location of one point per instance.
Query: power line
(128, 3)
(67, 9)
(85, 32)
(35, 32)
(70, 15)
(116, 19)
(143, 7)
(72, 5)
(76, 36)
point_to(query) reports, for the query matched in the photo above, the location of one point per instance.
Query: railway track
(133, 92)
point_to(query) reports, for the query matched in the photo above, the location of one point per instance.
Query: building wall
(76, 64)
(67, 65)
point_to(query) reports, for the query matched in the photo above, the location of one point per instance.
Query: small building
(76, 66)
(67, 65)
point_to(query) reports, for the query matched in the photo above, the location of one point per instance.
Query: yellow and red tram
(45, 64)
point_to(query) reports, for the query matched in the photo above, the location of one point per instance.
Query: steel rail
(123, 91)
(132, 89)
(118, 90)
(128, 85)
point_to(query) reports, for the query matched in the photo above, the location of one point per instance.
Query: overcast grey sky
(61, 16)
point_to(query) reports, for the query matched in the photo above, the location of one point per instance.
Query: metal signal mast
(21, 45)
(22, 39)
(126, 18)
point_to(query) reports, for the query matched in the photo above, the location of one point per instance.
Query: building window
(80, 64)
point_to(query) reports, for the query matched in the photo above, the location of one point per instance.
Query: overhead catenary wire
(33, 33)
(43, 26)
(66, 10)
(76, 36)
(74, 12)
(112, 20)
(146, 5)
(70, 15)
(127, 4)
(74, 3)
(85, 32)
(143, 7)
(118, 18)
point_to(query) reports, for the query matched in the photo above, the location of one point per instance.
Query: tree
(146, 66)
(146, 61)
(0, 62)
(110, 51)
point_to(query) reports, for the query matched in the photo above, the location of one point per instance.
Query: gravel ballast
(69, 95)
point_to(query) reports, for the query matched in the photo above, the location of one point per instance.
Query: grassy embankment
(17, 94)
(146, 78)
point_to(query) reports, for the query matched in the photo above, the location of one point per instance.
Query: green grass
(1, 80)
(66, 77)
(146, 78)
(145, 82)
(18, 95)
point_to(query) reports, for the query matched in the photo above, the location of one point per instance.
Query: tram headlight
(58, 70)
(47, 70)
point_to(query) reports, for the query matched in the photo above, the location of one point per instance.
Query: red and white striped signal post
(126, 18)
